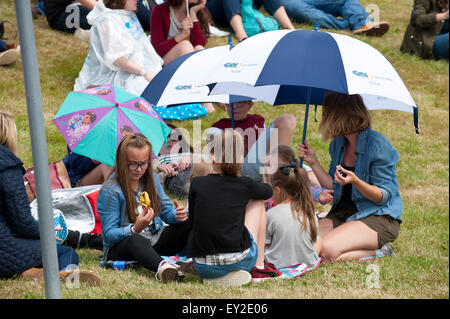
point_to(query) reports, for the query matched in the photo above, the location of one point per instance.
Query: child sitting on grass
(228, 220)
(291, 225)
(284, 155)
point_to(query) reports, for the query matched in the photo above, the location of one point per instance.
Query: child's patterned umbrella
(93, 121)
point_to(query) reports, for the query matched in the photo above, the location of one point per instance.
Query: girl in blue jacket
(365, 216)
(20, 246)
(131, 231)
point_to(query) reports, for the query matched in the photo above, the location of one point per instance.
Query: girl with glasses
(130, 231)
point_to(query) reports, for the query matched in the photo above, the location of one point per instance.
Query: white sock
(260, 267)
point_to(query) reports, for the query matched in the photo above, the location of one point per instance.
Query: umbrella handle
(305, 123)
(232, 115)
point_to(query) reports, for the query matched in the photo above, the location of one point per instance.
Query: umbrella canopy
(93, 121)
(305, 65)
(178, 82)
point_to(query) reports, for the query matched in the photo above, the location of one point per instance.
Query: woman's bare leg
(283, 19)
(181, 48)
(96, 176)
(351, 240)
(238, 27)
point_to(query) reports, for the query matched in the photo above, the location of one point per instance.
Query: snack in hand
(144, 200)
(339, 169)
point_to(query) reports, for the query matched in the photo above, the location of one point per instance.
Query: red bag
(92, 197)
(59, 179)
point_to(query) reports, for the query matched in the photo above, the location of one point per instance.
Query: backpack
(2, 30)
(254, 21)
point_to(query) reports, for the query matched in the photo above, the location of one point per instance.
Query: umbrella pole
(39, 149)
(232, 115)
(305, 123)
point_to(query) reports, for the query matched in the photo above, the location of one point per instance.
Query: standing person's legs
(255, 221)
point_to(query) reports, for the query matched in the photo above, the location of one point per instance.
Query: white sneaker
(217, 32)
(81, 34)
(234, 278)
(168, 272)
(9, 56)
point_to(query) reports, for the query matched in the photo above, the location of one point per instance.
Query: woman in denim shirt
(131, 231)
(365, 215)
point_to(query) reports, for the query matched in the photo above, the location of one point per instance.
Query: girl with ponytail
(292, 224)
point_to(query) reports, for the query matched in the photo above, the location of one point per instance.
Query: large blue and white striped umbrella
(178, 82)
(306, 64)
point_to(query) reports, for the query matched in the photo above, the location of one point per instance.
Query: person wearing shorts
(364, 218)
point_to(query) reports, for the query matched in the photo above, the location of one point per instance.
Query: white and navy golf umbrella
(178, 82)
(306, 64)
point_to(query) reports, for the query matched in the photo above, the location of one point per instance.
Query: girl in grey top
(292, 224)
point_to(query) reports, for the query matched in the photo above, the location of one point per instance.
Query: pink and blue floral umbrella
(93, 121)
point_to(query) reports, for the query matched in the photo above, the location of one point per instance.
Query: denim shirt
(375, 165)
(111, 208)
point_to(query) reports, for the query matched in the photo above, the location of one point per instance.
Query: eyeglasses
(134, 165)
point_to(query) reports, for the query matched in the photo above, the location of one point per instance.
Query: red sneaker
(269, 272)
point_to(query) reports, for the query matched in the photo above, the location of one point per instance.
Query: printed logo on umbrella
(369, 76)
(186, 87)
(236, 66)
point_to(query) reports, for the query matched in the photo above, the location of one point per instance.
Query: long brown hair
(204, 17)
(138, 141)
(343, 114)
(228, 151)
(293, 182)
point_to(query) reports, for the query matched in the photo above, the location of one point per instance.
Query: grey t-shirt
(288, 243)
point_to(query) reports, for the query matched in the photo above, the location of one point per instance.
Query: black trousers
(136, 247)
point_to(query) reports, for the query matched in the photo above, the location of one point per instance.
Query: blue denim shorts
(216, 271)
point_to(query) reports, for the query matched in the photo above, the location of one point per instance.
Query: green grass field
(420, 267)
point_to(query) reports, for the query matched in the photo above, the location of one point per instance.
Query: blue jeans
(223, 10)
(59, 21)
(325, 12)
(67, 258)
(40, 7)
(440, 45)
(247, 264)
(3, 46)
(143, 13)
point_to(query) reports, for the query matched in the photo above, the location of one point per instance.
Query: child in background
(292, 225)
(228, 220)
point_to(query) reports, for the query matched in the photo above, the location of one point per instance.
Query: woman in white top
(120, 52)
